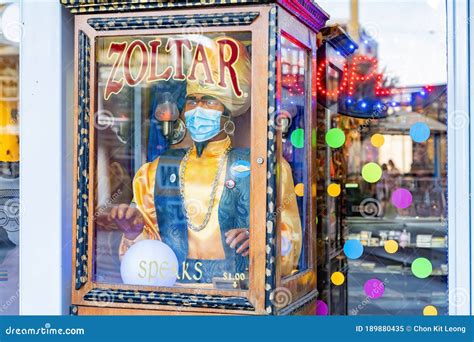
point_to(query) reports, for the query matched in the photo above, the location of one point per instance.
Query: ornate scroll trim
(299, 304)
(270, 264)
(103, 6)
(82, 212)
(307, 11)
(190, 22)
(109, 296)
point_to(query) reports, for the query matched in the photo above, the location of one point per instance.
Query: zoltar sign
(146, 57)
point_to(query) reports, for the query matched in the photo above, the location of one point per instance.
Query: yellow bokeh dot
(313, 190)
(377, 140)
(391, 246)
(337, 278)
(334, 190)
(299, 189)
(430, 310)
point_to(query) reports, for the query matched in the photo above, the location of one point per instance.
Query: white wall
(46, 72)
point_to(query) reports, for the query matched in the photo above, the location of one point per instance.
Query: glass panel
(9, 160)
(330, 77)
(383, 140)
(292, 175)
(173, 160)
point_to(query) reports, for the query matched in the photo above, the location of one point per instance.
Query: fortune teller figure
(197, 199)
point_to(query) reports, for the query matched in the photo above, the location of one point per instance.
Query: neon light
(351, 77)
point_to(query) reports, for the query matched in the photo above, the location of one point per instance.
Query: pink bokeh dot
(374, 288)
(321, 308)
(401, 198)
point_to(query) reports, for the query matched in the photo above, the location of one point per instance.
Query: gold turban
(236, 104)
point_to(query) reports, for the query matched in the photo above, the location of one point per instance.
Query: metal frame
(296, 288)
(460, 157)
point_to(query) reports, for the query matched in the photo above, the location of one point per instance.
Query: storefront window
(382, 142)
(292, 175)
(173, 160)
(9, 160)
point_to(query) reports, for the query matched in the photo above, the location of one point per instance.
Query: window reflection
(292, 175)
(386, 231)
(173, 187)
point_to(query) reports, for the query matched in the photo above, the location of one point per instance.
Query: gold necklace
(192, 226)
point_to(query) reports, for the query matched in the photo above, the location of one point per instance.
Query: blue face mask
(203, 124)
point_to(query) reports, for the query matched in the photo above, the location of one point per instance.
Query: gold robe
(199, 176)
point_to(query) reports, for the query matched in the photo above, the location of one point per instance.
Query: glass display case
(194, 152)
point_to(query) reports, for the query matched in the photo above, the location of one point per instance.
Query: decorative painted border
(96, 6)
(82, 210)
(187, 21)
(307, 11)
(299, 304)
(73, 310)
(270, 267)
(108, 296)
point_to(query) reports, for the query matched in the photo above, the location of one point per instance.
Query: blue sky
(411, 36)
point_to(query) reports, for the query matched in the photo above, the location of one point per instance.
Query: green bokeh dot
(371, 172)
(335, 138)
(297, 138)
(421, 268)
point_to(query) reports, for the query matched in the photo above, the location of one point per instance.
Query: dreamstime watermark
(282, 121)
(372, 30)
(284, 203)
(45, 330)
(104, 119)
(108, 203)
(458, 297)
(10, 301)
(458, 119)
(194, 208)
(369, 207)
(103, 298)
(13, 31)
(281, 297)
(12, 207)
(192, 28)
(9, 215)
(378, 110)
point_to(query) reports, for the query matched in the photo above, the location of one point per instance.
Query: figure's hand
(238, 236)
(128, 219)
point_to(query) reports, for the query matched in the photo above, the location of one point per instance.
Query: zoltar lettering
(146, 56)
(154, 269)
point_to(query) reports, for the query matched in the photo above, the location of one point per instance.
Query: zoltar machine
(195, 145)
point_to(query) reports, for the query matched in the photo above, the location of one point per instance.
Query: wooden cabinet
(194, 153)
